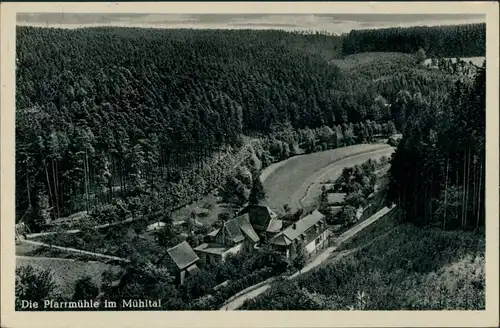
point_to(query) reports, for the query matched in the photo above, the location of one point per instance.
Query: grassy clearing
(288, 182)
(332, 172)
(42, 251)
(67, 272)
(26, 249)
(208, 203)
(363, 60)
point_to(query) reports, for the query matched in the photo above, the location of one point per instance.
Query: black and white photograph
(250, 161)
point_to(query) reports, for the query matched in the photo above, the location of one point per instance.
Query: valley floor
(296, 180)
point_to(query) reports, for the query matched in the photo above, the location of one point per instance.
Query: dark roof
(263, 218)
(297, 229)
(247, 228)
(281, 240)
(233, 230)
(239, 228)
(182, 255)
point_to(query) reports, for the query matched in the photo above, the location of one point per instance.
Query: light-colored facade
(310, 232)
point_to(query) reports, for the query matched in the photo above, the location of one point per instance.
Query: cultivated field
(287, 182)
(333, 171)
(65, 271)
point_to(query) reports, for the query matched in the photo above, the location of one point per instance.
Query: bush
(300, 260)
(85, 289)
(140, 226)
(208, 205)
(34, 285)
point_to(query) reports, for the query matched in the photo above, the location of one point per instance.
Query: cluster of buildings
(254, 226)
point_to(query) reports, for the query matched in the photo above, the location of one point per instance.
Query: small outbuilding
(182, 261)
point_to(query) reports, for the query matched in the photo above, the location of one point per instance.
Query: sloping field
(391, 267)
(65, 271)
(333, 171)
(288, 181)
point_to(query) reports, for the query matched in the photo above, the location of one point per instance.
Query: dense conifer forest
(111, 114)
(444, 41)
(139, 122)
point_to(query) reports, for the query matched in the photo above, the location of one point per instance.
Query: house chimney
(294, 226)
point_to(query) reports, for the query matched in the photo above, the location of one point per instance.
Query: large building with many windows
(310, 232)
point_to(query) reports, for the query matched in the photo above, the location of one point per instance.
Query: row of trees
(438, 171)
(468, 40)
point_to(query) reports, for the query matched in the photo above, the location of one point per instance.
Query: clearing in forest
(366, 59)
(287, 182)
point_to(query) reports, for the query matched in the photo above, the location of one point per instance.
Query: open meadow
(288, 182)
(333, 171)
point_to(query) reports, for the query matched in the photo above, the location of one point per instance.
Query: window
(319, 239)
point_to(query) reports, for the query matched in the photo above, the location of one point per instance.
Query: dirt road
(74, 250)
(237, 302)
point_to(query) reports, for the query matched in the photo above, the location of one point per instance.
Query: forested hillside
(438, 171)
(146, 115)
(128, 123)
(390, 268)
(442, 41)
(108, 108)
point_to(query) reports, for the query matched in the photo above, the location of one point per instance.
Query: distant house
(311, 231)
(234, 236)
(155, 226)
(264, 220)
(181, 260)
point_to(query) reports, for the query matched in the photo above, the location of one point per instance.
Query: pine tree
(257, 193)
